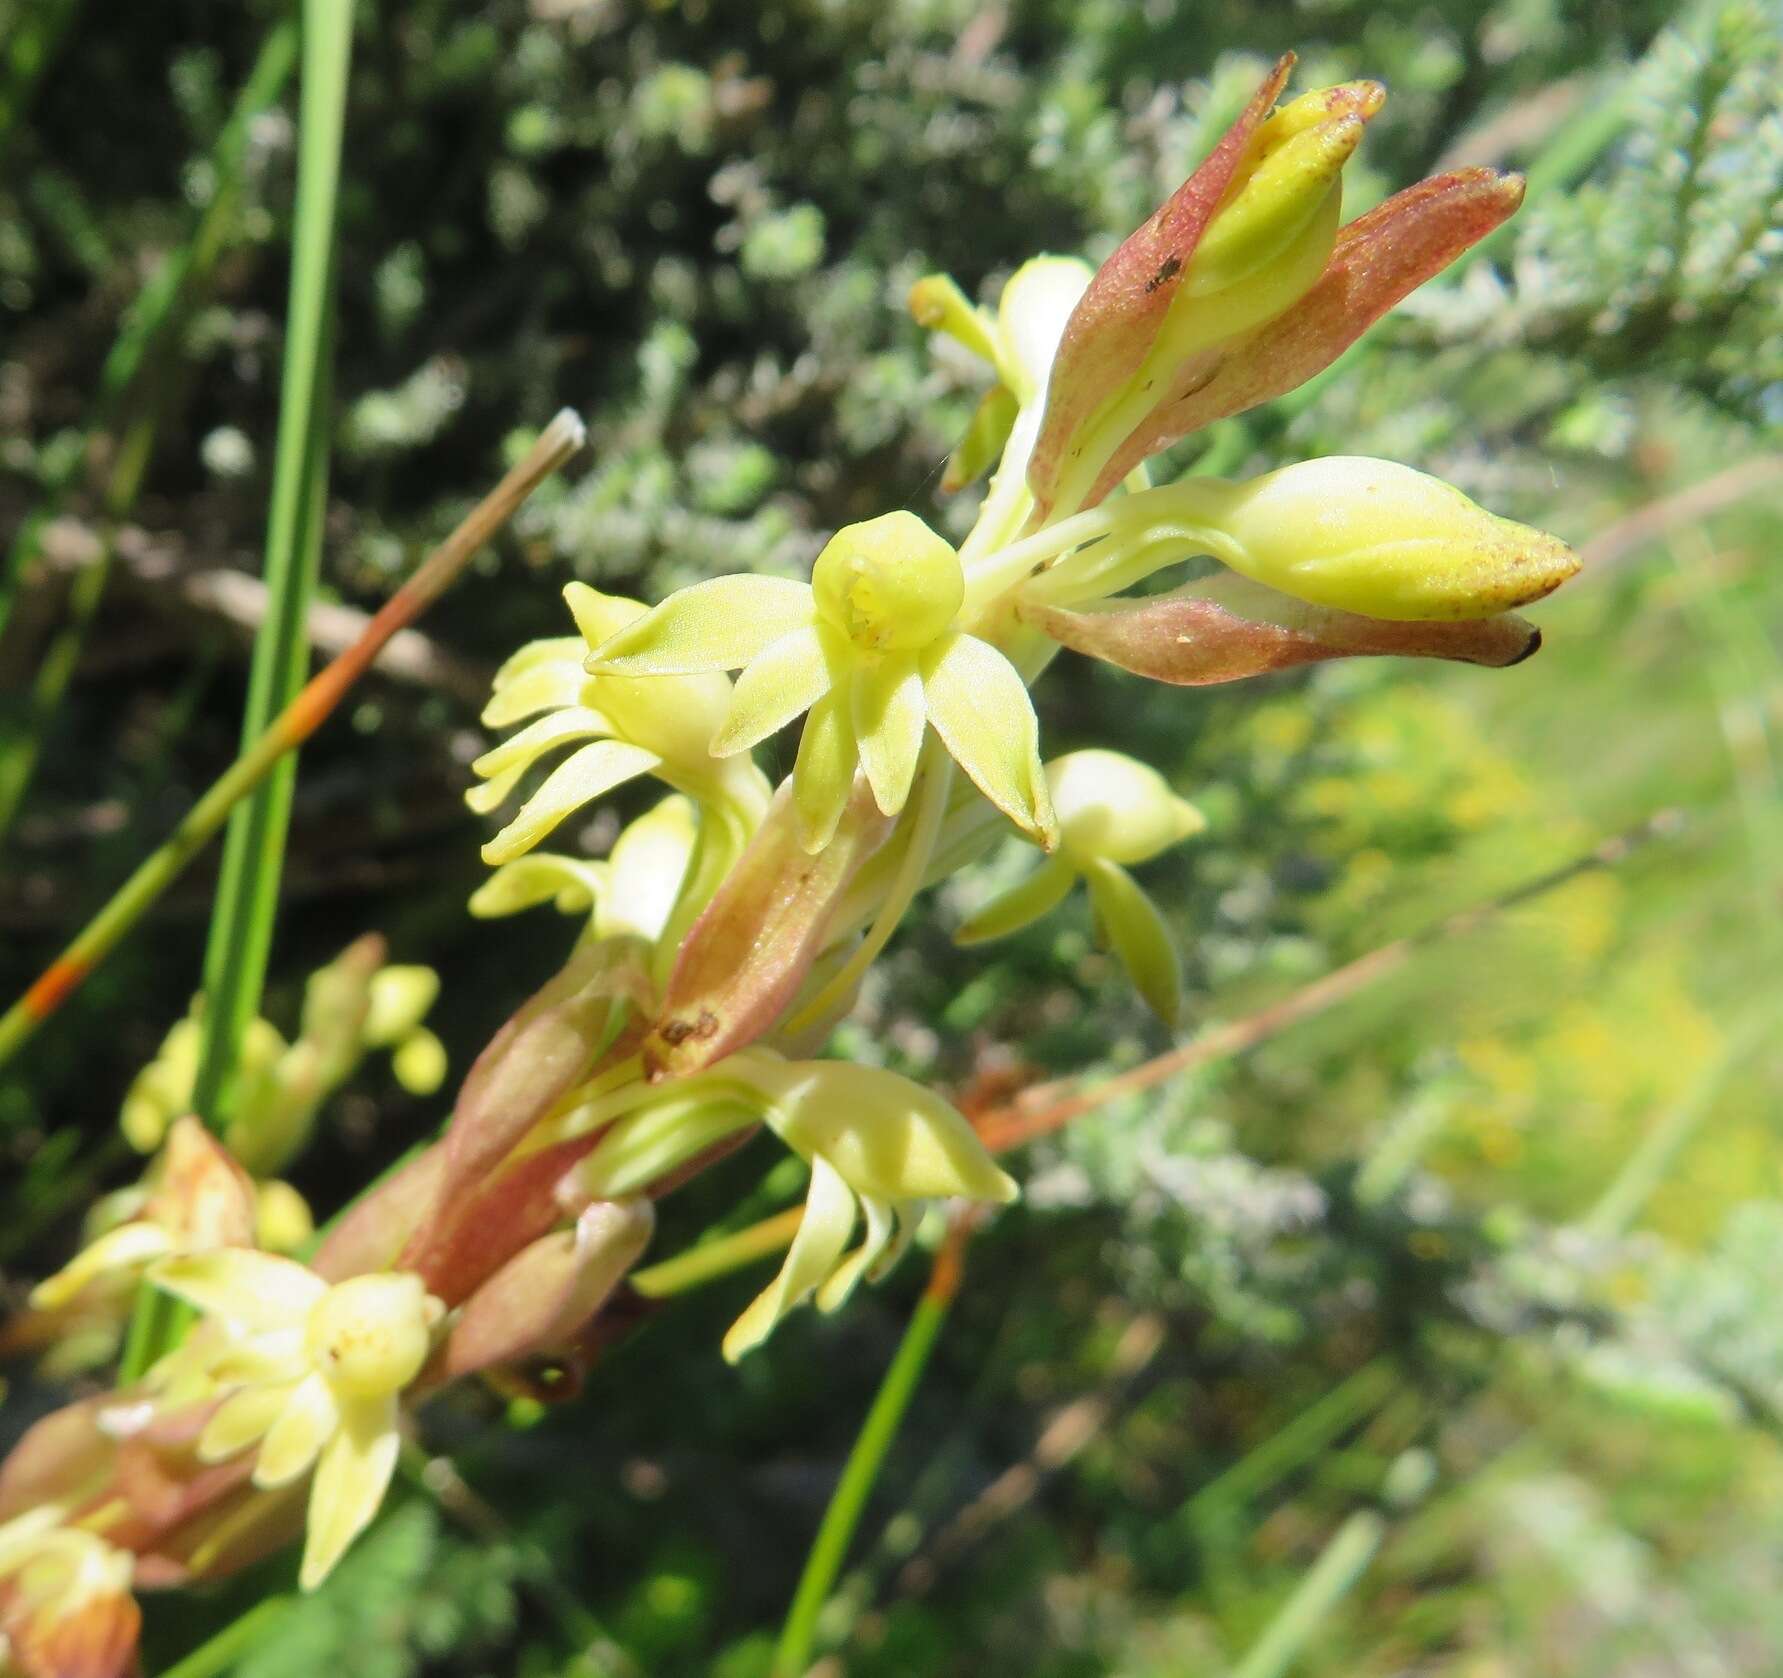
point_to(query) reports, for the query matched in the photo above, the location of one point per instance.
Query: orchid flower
(1113, 812)
(879, 1148)
(630, 728)
(311, 1376)
(871, 648)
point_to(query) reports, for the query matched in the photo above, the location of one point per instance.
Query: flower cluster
(728, 928)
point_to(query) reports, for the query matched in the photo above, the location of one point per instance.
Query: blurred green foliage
(1230, 1314)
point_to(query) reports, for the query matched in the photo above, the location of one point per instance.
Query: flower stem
(926, 816)
(713, 1259)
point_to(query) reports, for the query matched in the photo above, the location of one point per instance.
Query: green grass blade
(29, 52)
(1328, 1581)
(884, 1417)
(254, 851)
(149, 331)
(136, 376)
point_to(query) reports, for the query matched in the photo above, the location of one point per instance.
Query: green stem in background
(712, 1259)
(295, 724)
(1298, 1443)
(246, 905)
(793, 1654)
(135, 374)
(1329, 1580)
(221, 1653)
(148, 332)
(30, 51)
(1649, 1165)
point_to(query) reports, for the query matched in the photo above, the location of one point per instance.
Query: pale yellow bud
(1374, 537)
(282, 1218)
(397, 1002)
(419, 1062)
(1115, 808)
(370, 1335)
(889, 584)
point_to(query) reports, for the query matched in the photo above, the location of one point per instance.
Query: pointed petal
(881, 1226)
(986, 434)
(573, 884)
(117, 1253)
(1140, 937)
(1038, 894)
(823, 775)
(309, 1418)
(250, 1290)
(889, 718)
(1117, 318)
(753, 945)
(823, 1234)
(905, 1220)
(716, 625)
(599, 615)
(1227, 627)
(787, 676)
(350, 1483)
(1379, 258)
(240, 1420)
(547, 684)
(888, 1135)
(981, 709)
(522, 750)
(582, 776)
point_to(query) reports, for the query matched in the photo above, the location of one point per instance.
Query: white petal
(249, 1290)
(309, 1418)
(350, 1483)
(819, 1244)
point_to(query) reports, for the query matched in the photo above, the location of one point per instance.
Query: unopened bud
(1374, 537)
(398, 1002)
(419, 1063)
(1113, 807)
(282, 1218)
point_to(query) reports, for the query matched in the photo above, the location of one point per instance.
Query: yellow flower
(65, 1603)
(1113, 812)
(313, 1374)
(879, 1147)
(627, 728)
(197, 1197)
(632, 893)
(870, 647)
